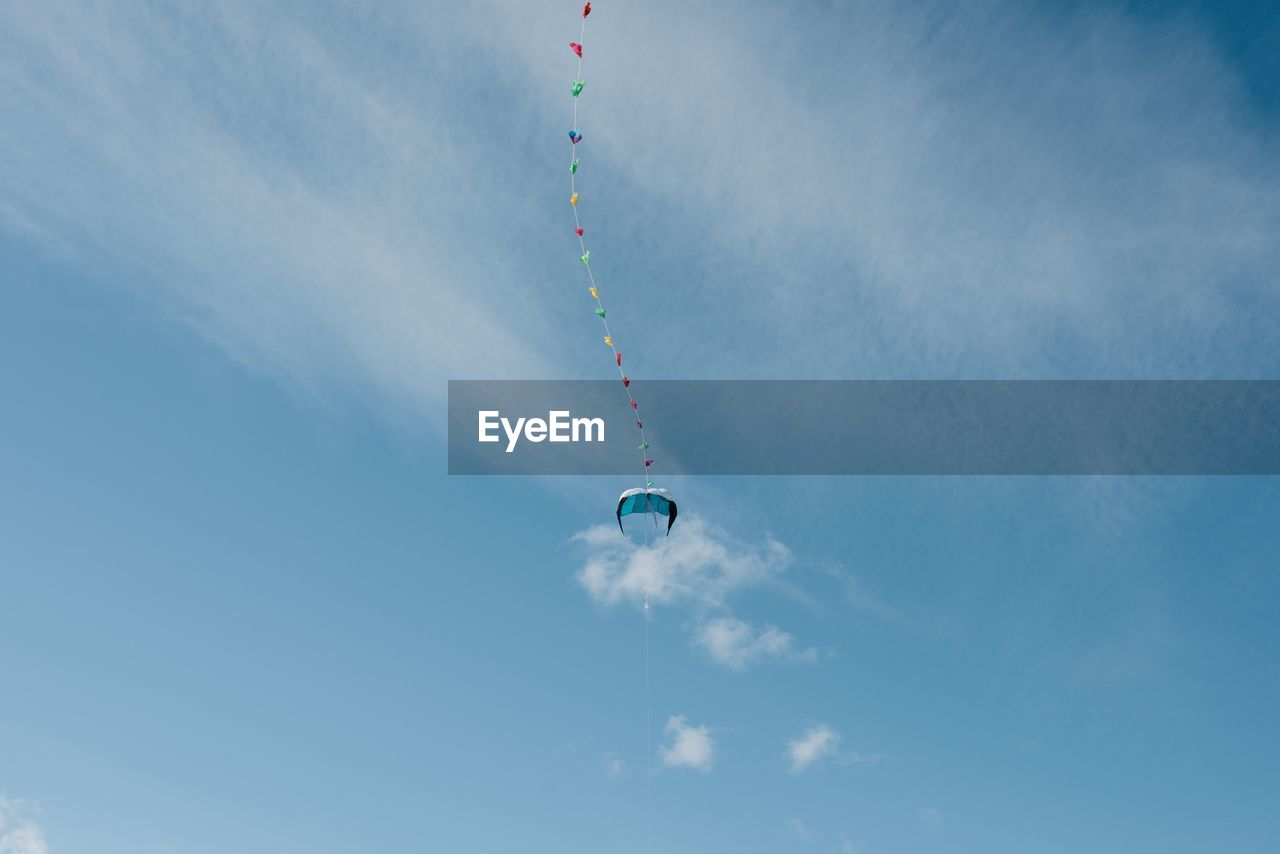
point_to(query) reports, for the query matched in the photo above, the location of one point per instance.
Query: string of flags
(645, 500)
(575, 137)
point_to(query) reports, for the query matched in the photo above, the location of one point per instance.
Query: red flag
(576, 48)
(586, 10)
(635, 405)
(626, 382)
(619, 356)
(648, 463)
(578, 231)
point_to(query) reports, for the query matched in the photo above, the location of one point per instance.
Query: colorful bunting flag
(575, 136)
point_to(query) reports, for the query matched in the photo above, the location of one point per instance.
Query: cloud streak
(977, 191)
(295, 206)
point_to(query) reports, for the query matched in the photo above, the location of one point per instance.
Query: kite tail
(575, 137)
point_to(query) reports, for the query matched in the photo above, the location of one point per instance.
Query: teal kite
(647, 500)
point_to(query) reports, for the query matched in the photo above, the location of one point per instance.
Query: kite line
(647, 499)
(575, 137)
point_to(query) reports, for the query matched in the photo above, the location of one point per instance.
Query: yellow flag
(608, 341)
(573, 200)
(595, 293)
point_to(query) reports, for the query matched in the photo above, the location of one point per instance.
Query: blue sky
(244, 609)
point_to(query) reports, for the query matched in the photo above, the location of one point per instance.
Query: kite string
(648, 690)
(646, 464)
(648, 724)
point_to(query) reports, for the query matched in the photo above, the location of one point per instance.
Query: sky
(244, 246)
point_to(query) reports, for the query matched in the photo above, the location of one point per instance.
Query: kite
(646, 499)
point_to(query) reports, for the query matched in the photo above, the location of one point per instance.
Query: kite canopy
(646, 501)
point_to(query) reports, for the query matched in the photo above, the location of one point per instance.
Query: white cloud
(817, 743)
(18, 833)
(701, 567)
(689, 746)
(737, 645)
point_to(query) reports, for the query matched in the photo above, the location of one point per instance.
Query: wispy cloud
(866, 602)
(818, 742)
(986, 188)
(301, 208)
(688, 746)
(317, 189)
(19, 833)
(810, 835)
(821, 743)
(802, 829)
(930, 818)
(737, 645)
(614, 766)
